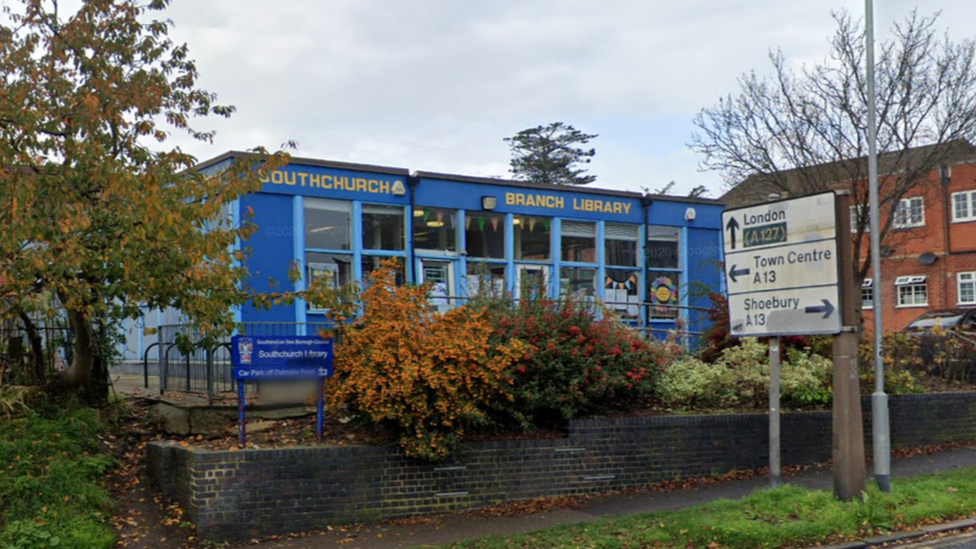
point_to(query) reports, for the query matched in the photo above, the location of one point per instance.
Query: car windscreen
(943, 321)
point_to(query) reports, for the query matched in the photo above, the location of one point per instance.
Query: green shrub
(578, 364)
(427, 378)
(805, 380)
(690, 383)
(50, 490)
(739, 378)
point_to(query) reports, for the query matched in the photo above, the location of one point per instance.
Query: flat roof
(461, 178)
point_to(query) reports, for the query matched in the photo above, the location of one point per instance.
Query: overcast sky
(435, 85)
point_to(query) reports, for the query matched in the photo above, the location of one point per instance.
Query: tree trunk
(80, 370)
(37, 349)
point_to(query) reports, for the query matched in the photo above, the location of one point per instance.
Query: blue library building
(650, 259)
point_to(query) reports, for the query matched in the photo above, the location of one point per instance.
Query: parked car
(950, 319)
(949, 352)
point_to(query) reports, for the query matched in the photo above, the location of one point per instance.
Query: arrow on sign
(733, 272)
(732, 226)
(827, 308)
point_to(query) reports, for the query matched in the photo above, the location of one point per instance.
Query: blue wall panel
(704, 273)
(272, 252)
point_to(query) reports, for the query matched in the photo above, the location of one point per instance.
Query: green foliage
(577, 364)
(549, 154)
(91, 213)
(806, 380)
(50, 491)
(788, 516)
(692, 383)
(739, 378)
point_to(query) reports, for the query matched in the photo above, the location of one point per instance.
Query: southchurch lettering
(334, 182)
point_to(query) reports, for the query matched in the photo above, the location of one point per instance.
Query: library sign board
(280, 358)
(782, 267)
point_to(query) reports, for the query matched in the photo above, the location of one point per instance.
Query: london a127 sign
(781, 267)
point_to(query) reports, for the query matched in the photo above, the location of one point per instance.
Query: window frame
(910, 286)
(970, 199)
(309, 203)
(903, 213)
(867, 293)
(971, 275)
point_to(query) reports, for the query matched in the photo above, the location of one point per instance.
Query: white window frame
(867, 294)
(855, 208)
(969, 279)
(904, 213)
(969, 198)
(912, 290)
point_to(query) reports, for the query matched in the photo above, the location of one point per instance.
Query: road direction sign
(781, 267)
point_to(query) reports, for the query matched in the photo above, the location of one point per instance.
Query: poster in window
(328, 273)
(664, 293)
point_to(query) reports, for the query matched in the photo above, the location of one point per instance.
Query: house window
(964, 206)
(910, 213)
(912, 291)
(967, 288)
(867, 294)
(858, 212)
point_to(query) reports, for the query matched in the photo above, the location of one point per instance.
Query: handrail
(145, 364)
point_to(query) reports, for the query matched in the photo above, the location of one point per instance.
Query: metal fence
(32, 356)
(191, 364)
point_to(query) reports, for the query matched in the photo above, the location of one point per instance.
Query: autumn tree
(805, 131)
(97, 212)
(550, 154)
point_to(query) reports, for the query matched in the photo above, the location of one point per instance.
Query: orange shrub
(426, 376)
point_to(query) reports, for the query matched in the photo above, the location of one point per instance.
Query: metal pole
(774, 437)
(879, 400)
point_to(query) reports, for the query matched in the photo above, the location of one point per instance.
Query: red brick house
(928, 254)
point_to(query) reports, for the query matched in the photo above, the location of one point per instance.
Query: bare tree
(805, 132)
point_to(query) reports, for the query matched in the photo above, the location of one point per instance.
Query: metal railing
(189, 363)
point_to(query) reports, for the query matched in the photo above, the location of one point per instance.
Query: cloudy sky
(435, 85)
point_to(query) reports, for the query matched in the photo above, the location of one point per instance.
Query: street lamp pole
(879, 400)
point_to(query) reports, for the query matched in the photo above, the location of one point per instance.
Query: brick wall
(241, 494)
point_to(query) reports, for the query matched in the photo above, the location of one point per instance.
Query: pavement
(450, 528)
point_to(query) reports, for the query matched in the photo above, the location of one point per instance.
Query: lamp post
(879, 400)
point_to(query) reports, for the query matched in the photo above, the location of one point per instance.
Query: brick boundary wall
(249, 493)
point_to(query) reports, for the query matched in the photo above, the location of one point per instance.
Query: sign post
(788, 272)
(281, 358)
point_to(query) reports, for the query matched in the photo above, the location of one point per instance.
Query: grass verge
(783, 517)
(51, 492)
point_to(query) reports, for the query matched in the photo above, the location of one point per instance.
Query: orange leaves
(426, 376)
